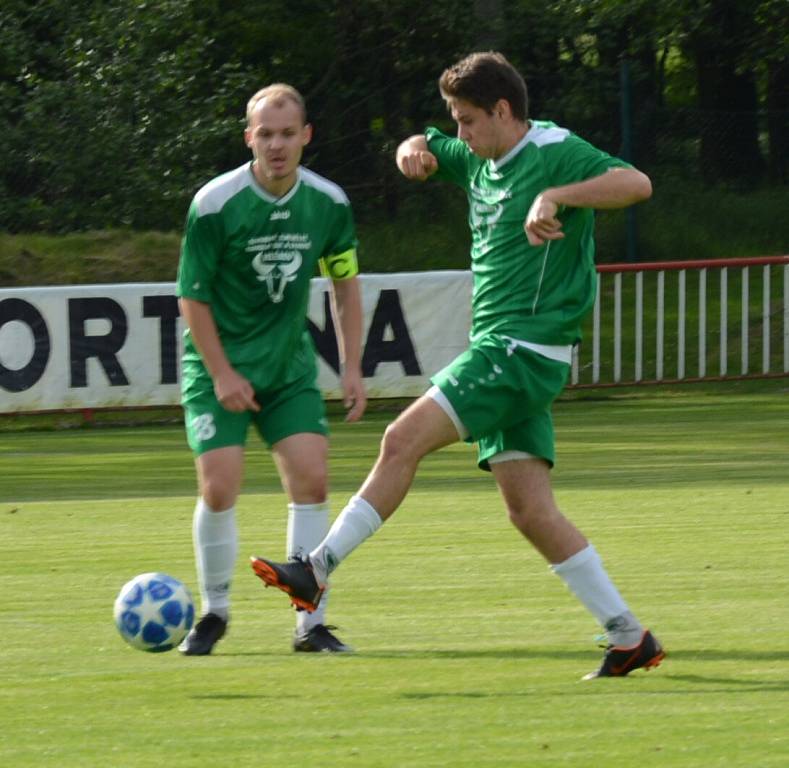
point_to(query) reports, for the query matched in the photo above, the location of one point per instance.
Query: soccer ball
(153, 612)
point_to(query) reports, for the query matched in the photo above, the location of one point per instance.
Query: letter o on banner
(20, 379)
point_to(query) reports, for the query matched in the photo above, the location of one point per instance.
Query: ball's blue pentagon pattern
(153, 612)
(135, 595)
(130, 623)
(155, 633)
(159, 589)
(172, 612)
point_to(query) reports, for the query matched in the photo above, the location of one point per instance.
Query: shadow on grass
(671, 684)
(232, 696)
(698, 655)
(701, 655)
(691, 685)
(698, 686)
(743, 686)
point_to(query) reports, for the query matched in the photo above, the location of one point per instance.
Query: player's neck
(276, 187)
(513, 137)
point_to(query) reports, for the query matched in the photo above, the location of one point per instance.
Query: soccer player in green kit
(253, 239)
(531, 187)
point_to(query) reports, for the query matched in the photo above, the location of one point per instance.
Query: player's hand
(234, 392)
(418, 165)
(541, 223)
(354, 395)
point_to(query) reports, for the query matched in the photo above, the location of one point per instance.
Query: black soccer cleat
(319, 639)
(295, 578)
(204, 636)
(618, 662)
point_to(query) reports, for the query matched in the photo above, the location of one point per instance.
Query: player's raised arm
(617, 188)
(415, 160)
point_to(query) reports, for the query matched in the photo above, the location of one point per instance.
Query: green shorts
(283, 412)
(503, 394)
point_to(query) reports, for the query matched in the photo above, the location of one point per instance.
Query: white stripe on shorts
(509, 456)
(434, 393)
(562, 353)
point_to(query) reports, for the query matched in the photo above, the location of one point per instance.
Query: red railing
(640, 324)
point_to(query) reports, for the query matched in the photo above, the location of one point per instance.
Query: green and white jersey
(250, 256)
(537, 294)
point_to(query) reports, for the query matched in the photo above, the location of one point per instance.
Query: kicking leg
(419, 430)
(422, 428)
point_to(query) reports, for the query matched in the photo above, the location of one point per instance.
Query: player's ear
(502, 109)
(248, 137)
(307, 135)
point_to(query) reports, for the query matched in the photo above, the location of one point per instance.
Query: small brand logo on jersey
(277, 215)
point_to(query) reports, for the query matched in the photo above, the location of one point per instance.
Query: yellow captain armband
(340, 266)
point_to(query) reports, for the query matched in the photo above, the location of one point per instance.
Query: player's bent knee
(396, 444)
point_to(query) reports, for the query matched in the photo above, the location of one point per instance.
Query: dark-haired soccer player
(253, 239)
(532, 188)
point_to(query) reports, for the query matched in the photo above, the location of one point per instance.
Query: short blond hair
(279, 93)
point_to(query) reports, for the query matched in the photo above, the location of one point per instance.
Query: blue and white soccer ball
(153, 612)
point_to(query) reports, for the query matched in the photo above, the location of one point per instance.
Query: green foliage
(437, 239)
(113, 113)
(136, 94)
(131, 106)
(430, 232)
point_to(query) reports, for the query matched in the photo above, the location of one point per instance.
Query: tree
(716, 39)
(769, 54)
(113, 112)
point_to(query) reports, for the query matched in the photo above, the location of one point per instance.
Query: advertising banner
(102, 346)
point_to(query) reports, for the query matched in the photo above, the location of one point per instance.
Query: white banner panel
(100, 346)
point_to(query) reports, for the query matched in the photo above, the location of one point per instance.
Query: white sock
(307, 525)
(216, 546)
(588, 581)
(356, 523)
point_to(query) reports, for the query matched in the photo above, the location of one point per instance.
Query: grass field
(469, 650)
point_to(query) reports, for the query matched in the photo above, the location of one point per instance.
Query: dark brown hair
(482, 79)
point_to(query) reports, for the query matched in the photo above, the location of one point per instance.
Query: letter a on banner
(400, 349)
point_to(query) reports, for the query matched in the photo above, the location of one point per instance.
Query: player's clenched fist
(541, 222)
(417, 165)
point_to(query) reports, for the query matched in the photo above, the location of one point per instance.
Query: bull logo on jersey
(277, 269)
(487, 205)
(485, 214)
